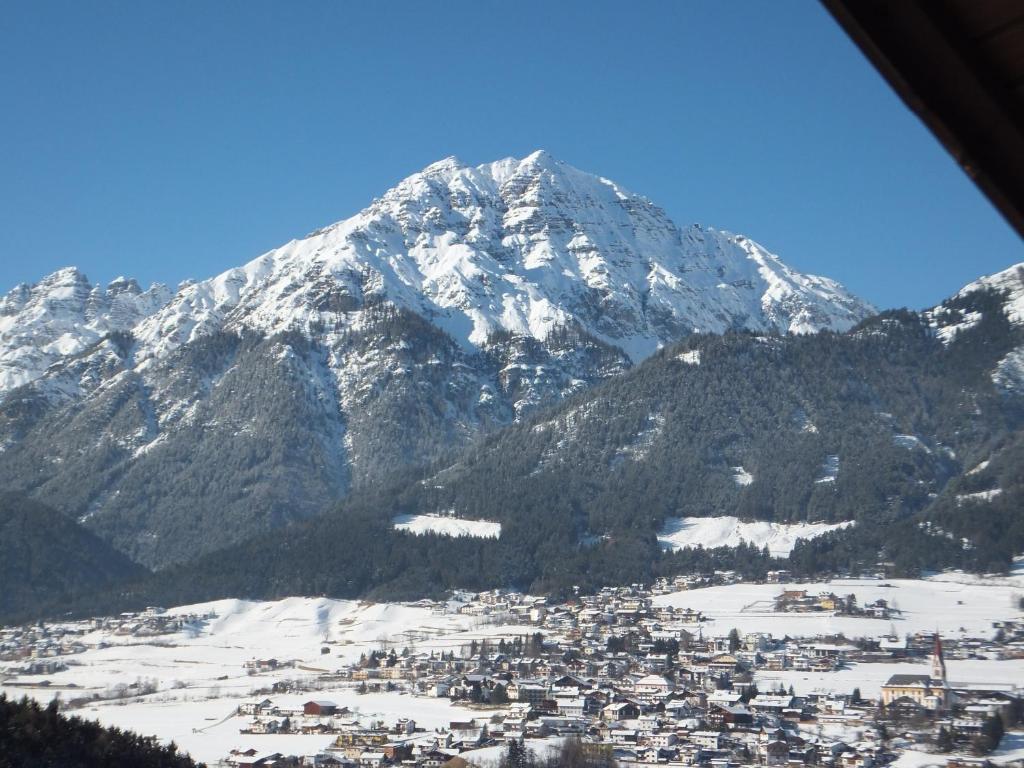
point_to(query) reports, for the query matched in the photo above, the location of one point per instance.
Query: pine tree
(991, 734)
(944, 742)
(498, 694)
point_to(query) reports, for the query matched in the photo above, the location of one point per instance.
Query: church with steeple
(930, 692)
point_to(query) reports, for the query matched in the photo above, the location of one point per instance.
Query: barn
(319, 708)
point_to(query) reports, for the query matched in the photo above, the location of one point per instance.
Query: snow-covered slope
(960, 313)
(1009, 373)
(954, 315)
(523, 246)
(520, 246)
(1011, 282)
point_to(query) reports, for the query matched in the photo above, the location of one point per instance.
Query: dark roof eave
(964, 99)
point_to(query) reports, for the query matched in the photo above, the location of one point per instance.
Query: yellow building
(921, 689)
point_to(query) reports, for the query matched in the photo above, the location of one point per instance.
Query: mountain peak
(65, 276)
(523, 246)
(445, 165)
(62, 315)
(451, 167)
(122, 284)
(541, 158)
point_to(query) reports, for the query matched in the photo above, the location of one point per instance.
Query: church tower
(938, 662)
(940, 687)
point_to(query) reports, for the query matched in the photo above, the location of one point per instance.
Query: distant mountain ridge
(63, 315)
(460, 301)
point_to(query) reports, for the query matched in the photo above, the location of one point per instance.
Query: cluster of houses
(643, 682)
(617, 670)
(1010, 635)
(41, 649)
(39, 646)
(800, 601)
(51, 640)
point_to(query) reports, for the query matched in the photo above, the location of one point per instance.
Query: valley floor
(186, 685)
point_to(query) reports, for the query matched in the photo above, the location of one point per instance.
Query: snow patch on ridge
(978, 496)
(711, 532)
(829, 469)
(1009, 372)
(910, 442)
(447, 525)
(979, 468)
(741, 477)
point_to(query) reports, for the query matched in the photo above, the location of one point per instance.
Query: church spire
(938, 660)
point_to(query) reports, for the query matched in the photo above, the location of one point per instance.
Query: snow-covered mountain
(952, 316)
(62, 315)
(523, 246)
(960, 313)
(457, 302)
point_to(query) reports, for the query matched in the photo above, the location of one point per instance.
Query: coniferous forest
(42, 737)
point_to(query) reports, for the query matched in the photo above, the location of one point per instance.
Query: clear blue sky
(167, 140)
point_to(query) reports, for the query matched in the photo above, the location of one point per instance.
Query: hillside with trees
(890, 426)
(43, 737)
(886, 426)
(48, 561)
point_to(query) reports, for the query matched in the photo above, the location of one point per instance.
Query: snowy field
(955, 604)
(446, 525)
(711, 532)
(200, 727)
(1011, 750)
(870, 677)
(200, 678)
